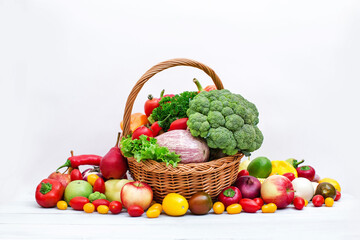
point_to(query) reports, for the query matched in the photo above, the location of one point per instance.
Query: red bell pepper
(207, 88)
(49, 192)
(230, 195)
(306, 172)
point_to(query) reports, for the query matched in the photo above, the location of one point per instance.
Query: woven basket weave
(186, 179)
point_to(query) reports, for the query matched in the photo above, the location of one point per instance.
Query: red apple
(277, 189)
(136, 193)
(63, 178)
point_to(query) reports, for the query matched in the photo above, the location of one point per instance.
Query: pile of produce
(190, 127)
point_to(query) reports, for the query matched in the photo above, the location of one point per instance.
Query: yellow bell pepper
(281, 167)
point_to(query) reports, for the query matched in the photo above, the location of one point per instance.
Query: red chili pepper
(76, 161)
(155, 128)
(179, 124)
(49, 192)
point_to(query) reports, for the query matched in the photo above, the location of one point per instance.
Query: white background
(67, 67)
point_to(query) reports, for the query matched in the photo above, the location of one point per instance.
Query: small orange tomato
(156, 206)
(92, 178)
(153, 213)
(218, 207)
(269, 208)
(103, 209)
(234, 208)
(62, 205)
(329, 202)
(306, 202)
(89, 208)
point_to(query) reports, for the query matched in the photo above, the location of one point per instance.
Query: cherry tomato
(299, 203)
(151, 104)
(153, 213)
(89, 208)
(115, 207)
(62, 205)
(243, 172)
(338, 196)
(135, 211)
(234, 208)
(318, 200)
(103, 209)
(142, 131)
(77, 203)
(218, 207)
(76, 175)
(329, 202)
(249, 205)
(269, 208)
(179, 124)
(91, 178)
(156, 206)
(289, 175)
(259, 201)
(99, 185)
(306, 202)
(99, 202)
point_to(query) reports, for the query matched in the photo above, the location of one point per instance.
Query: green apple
(77, 188)
(113, 188)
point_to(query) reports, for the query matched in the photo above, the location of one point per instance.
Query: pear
(114, 164)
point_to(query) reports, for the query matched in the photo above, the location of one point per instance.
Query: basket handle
(156, 69)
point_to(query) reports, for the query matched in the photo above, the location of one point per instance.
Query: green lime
(260, 167)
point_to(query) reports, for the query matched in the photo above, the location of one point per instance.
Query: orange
(136, 120)
(175, 205)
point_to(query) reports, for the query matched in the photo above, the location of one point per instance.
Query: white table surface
(26, 220)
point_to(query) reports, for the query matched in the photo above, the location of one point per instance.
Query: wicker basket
(186, 179)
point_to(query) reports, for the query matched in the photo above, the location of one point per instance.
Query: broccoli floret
(227, 121)
(96, 195)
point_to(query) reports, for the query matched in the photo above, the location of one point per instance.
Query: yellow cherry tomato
(175, 205)
(92, 178)
(62, 205)
(218, 207)
(153, 213)
(89, 208)
(156, 206)
(306, 202)
(103, 209)
(269, 208)
(329, 202)
(234, 208)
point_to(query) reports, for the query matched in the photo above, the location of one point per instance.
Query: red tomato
(299, 203)
(49, 192)
(179, 124)
(243, 172)
(135, 211)
(151, 104)
(338, 195)
(249, 205)
(99, 185)
(115, 207)
(142, 131)
(259, 201)
(99, 202)
(318, 200)
(77, 203)
(290, 176)
(76, 175)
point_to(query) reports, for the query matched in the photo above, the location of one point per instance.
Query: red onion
(249, 186)
(94, 170)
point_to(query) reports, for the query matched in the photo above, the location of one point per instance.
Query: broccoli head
(227, 121)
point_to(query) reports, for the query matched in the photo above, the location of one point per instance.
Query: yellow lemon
(175, 205)
(333, 182)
